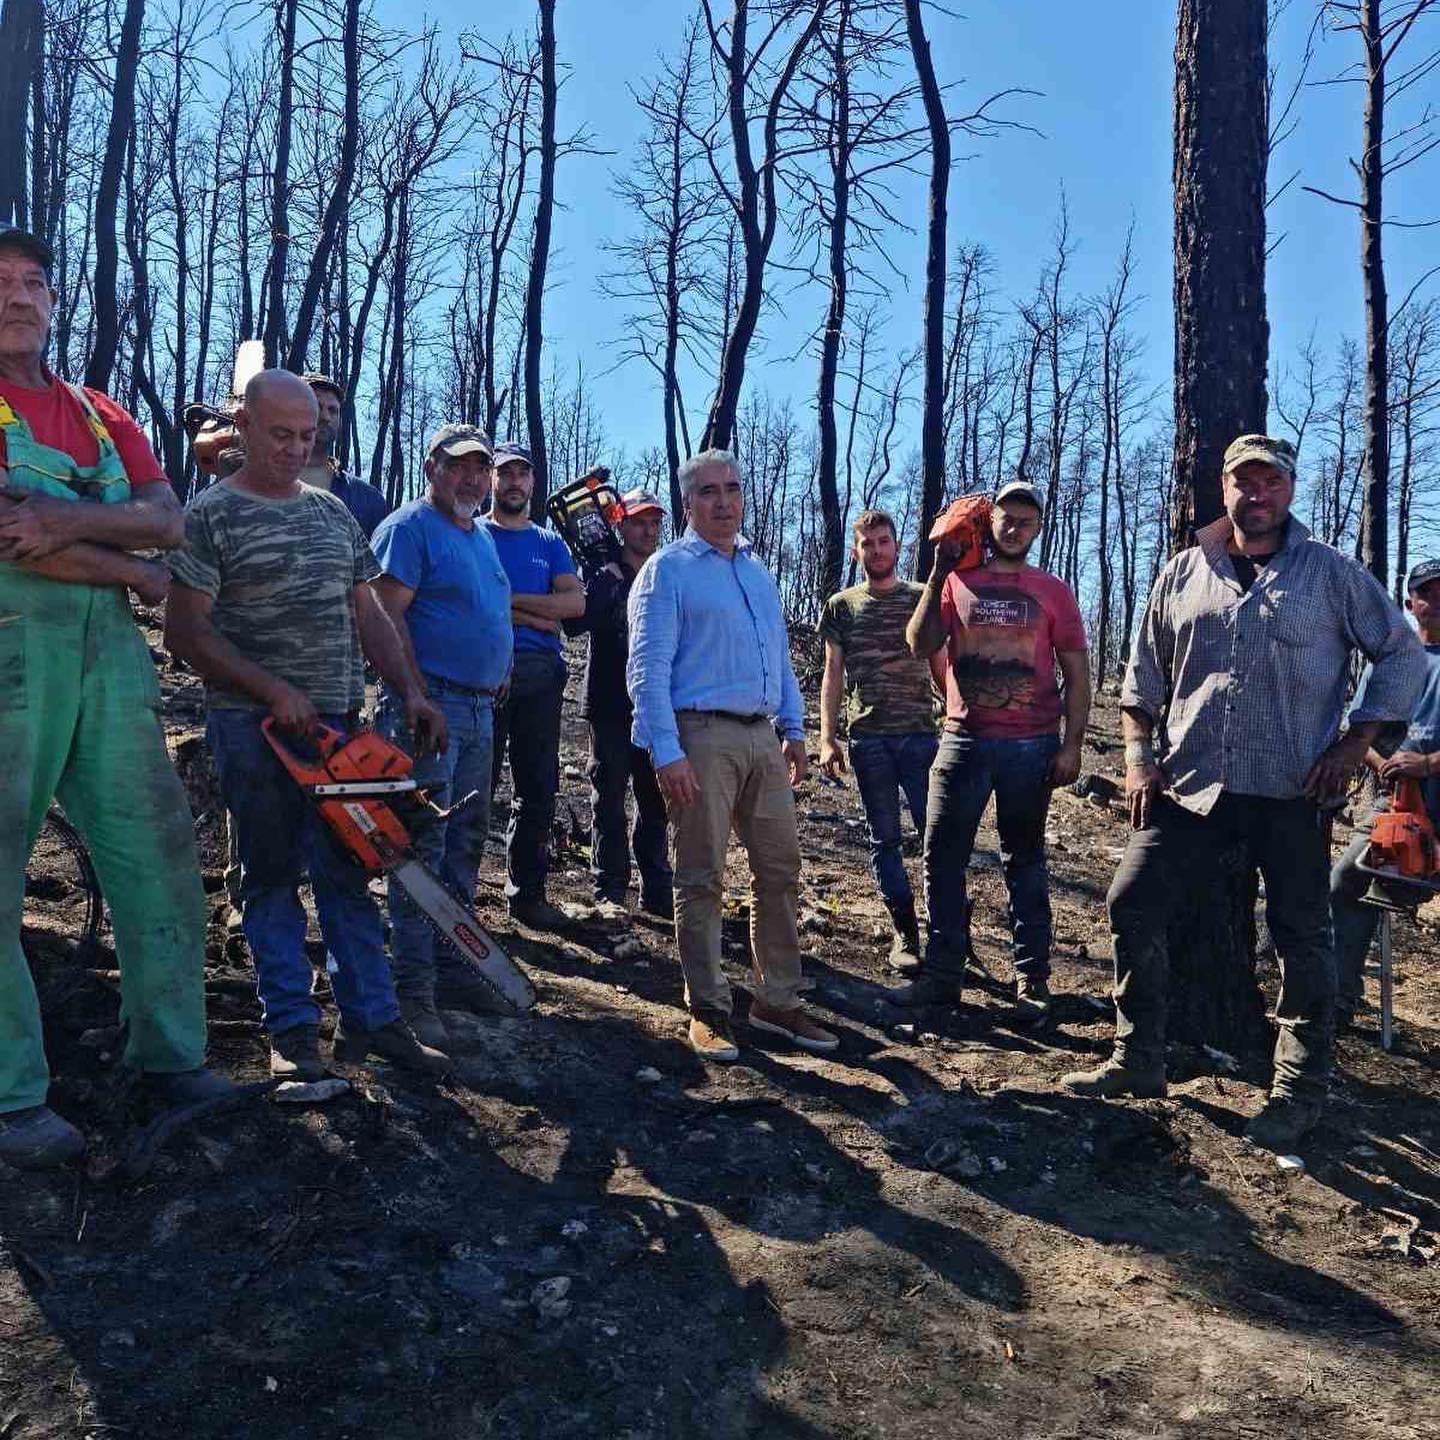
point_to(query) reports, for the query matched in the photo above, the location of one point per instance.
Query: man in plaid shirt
(1231, 715)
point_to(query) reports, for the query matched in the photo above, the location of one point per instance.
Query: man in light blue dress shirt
(710, 677)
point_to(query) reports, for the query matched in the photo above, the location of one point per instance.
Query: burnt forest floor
(590, 1233)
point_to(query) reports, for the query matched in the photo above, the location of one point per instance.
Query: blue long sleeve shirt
(707, 633)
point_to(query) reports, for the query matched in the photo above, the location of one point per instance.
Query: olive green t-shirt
(280, 573)
(887, 690)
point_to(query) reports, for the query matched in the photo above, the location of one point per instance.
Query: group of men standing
(286, 578)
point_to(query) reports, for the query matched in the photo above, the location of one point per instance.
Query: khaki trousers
(744, 786)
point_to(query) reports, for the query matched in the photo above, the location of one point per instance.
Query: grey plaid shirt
(1247, 690)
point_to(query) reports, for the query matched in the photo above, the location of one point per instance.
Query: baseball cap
(510, 450)
(636, 502)
(318, 380)
(1422, 573)
(459, 440)
(1265, 448)
(1021, 490)
(32, 245)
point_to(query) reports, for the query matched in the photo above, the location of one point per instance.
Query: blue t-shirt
(1423, 736)
(460, 617)
(532, 558)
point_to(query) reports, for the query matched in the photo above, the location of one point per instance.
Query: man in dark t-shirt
(891, 713)
(615, 763)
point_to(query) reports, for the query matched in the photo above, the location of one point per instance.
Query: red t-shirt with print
(1002, 630)
(56, 419)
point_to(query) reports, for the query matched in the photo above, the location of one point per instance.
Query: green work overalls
(80, 722)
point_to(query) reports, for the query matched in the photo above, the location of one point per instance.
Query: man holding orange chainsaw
(269, 594)
(1416, 759)
(1007, 627)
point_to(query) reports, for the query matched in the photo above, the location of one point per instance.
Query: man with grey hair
(710, 677)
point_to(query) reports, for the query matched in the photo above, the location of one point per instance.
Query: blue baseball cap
(509, 450)
(1422, 574)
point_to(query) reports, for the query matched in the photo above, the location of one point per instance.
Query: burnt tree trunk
(22, 24)
(1374, 522)
(106, 302)
(932, 425)
(1221, 333)
(280, 189)
(1221, 351)
(539, 261)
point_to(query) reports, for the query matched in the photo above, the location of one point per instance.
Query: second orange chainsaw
(365, 793)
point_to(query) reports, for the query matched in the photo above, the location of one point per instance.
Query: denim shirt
(707, 633)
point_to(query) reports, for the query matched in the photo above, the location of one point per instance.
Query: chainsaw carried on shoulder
(586, 512)
(365, 793)
(965, 523)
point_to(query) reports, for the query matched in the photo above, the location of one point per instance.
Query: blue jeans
(452, 850)
(887, 766)
(279, 836)
(967, 771)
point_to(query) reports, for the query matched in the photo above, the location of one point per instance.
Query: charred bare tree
(1382, 31)
(22, 28)
(753, 191)
(1221, 334)
(540, 259)
(1221, 352)
(287, 15)
(106, 300)
(932, 425)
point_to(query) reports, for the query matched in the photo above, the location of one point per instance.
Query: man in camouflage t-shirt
(891, 712)
(269, 593)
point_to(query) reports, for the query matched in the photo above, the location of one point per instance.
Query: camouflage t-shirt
(887, 690)
(280, 573)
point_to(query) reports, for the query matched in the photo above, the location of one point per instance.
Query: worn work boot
(1283, 1123)
(38, 1139)
(537, 913)
(191, 1087)
(794, 1025)
(711, 1037)
(904, 954)
(295, 1055)
(394, 1042)
(1114, 1079)
(420, 1014)
(1032, 1000)
(927, 989)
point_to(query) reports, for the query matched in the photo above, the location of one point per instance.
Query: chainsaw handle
(327, 741)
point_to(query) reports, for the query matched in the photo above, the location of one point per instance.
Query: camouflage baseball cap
(1264, 448)
(318, 380)
(460, 440)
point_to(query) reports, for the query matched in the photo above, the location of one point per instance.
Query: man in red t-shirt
(80, 489)
(1006, 627)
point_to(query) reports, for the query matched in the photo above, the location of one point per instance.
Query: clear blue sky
(1105, 73)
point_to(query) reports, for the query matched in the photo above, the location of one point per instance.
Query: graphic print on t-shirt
(996, 667)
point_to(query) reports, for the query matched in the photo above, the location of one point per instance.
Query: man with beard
(545, 591)
(1008, 627)
(446, 592)
(80, 488)
(616, 763)
(270, 595)
(891, 713)
(711, 679)
(1231, 711)
(361, 499)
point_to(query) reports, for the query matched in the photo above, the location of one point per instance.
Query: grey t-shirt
(280, 573)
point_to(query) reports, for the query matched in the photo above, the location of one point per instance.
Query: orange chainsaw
(365, 793)
(1404, 856)
(967, 521)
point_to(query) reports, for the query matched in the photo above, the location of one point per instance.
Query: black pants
(528, 727)
(615, 765)
(1175, 857)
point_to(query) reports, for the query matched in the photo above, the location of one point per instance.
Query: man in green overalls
(80, 488)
